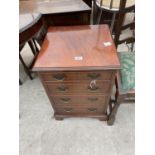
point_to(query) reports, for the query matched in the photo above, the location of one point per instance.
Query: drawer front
(68, 100)
(58, 76)
(72, 76)
(104, 75)
(82, 87)
(69, 110)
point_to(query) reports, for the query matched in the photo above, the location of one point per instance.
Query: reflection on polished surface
(58, 12)
(52, 6)
(63, 44)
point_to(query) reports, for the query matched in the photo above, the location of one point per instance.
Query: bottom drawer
(69, 110)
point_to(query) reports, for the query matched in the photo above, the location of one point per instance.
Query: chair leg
(31, 44)
(99, 17)
(36, 48)
(132, 47)
(113, 22)
(20, 82)
(94, 11)
(111, 118)
(25, 67)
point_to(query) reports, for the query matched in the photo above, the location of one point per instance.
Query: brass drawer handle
(68, 109)
(62, 88)
(94, 75)
(93, 88)
(59, 77)
(92, 109)
(93, 99)
(65, 100)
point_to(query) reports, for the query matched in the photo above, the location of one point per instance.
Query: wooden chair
(29, 27)
(113, 6)
(88, 2)
(120, 27)
(125, 79)
(125, 84)
(34, 50)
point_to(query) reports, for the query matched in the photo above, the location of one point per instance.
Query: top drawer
(72, 76)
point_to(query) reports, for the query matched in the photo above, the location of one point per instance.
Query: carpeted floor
(40, 134)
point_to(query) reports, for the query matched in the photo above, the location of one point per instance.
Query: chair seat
(127, 73)
(116, 3)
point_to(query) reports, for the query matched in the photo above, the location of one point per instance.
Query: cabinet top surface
(52, 6)
(77, 48)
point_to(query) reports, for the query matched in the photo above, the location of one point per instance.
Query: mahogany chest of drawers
(77, 66)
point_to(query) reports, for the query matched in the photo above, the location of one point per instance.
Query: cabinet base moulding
(101, 117)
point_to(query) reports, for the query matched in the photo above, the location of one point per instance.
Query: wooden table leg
(32, 46)
(112, 114)
(25, 67)
(20, 82)
(35, 45)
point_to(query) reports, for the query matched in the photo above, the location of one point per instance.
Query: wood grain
(55, 12)
(53, 6)
(78, 88)
(72, 76)
(63, 44)
(81, 100)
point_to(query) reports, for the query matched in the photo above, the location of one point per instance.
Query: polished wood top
(77, 48)
(52, 6)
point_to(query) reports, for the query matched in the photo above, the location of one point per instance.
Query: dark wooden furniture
(106, 11)
(88, 2)
(121, 94)
(62, 12)
(59, 12)
(121, 27)
(77, 66)
(124, 95)
(125, 83)
(125, 79)
(29, 25)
